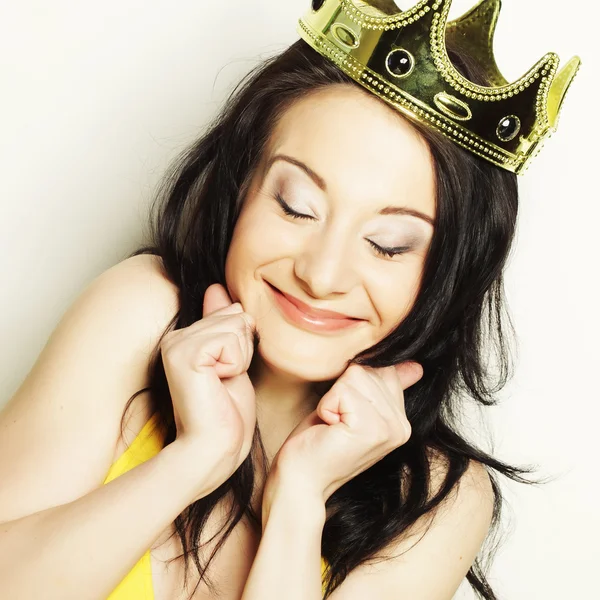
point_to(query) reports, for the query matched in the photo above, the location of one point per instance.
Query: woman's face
(364, 157)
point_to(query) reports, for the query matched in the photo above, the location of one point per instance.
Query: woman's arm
(82, 550)
(288, 560)
(61, 536)
(428, 562)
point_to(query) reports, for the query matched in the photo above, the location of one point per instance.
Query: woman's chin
(299, 367)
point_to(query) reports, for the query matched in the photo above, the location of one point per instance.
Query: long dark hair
(457, 318)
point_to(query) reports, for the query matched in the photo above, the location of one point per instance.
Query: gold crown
(402, 58)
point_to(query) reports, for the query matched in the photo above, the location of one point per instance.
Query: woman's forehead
(357, 145)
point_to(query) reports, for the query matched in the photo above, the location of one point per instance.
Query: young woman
(269, 390)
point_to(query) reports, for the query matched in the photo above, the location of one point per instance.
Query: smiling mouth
(310, 313)
(321, 325)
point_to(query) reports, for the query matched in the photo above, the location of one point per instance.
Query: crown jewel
(403, 59)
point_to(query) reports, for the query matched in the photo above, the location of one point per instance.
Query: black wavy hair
(458, 318)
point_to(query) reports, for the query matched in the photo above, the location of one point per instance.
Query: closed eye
(296, 215)
(390, 251)
(288, 211)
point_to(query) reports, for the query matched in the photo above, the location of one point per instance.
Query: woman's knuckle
(248, 320)
(406, 431)
(231, 337)
(167, 339)
(354, 372)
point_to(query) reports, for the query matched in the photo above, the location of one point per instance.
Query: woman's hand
(213, 398)
(356, 423)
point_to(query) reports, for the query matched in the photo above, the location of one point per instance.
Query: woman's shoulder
(95, 359)
(475, 475)
(466, 509)
(149, 271)
(146, 296)
(475, 479)
(162, 304)
(146, 299)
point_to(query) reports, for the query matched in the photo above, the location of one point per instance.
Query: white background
(97, 98)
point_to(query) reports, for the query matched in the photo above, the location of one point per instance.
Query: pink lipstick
(296, 316)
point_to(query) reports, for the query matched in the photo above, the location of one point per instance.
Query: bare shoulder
(147, 273)
(133, 301)
(144, 280)
(58, 431)
(433, 555)
(141, 285)
(468, 506)
(475, 481)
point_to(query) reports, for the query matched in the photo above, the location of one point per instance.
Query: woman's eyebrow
(316, 178)
(388, 210)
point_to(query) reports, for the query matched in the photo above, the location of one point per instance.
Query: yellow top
(137, 584)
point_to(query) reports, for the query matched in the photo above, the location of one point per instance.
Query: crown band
(403, 59)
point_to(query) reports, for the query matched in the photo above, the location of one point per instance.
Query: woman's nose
(327, 264)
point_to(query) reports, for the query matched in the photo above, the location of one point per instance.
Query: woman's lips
(298, 317)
